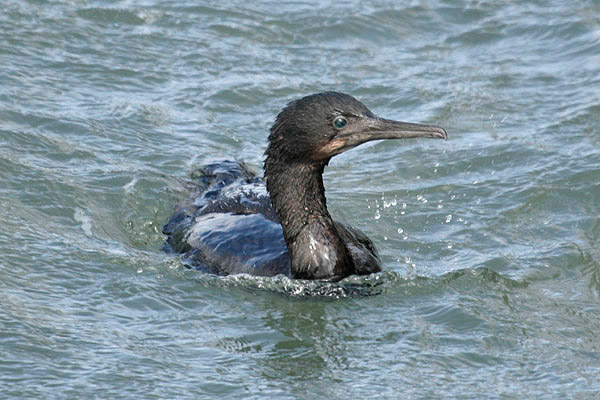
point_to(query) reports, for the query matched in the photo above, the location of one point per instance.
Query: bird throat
(298, 197)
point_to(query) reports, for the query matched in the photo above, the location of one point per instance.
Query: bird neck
(298, 197)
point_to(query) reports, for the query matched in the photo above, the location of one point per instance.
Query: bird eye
(340, 122)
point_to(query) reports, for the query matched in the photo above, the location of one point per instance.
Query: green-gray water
(490, 241)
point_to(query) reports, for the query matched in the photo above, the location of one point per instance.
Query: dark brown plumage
(231, 225)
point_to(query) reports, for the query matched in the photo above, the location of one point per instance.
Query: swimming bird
(232, 222)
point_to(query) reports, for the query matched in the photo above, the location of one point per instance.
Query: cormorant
(231, 223)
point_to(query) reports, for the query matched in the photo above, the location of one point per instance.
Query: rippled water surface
(490, 241)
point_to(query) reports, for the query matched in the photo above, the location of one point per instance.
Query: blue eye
(340, 122)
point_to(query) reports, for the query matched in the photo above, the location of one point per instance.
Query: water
(490, 241)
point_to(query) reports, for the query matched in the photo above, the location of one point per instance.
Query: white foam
(85, 220)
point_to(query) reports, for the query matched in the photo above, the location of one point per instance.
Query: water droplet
(388, 204)
(448, 218)
(400, 230)
(140, 270)
(377, 215)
